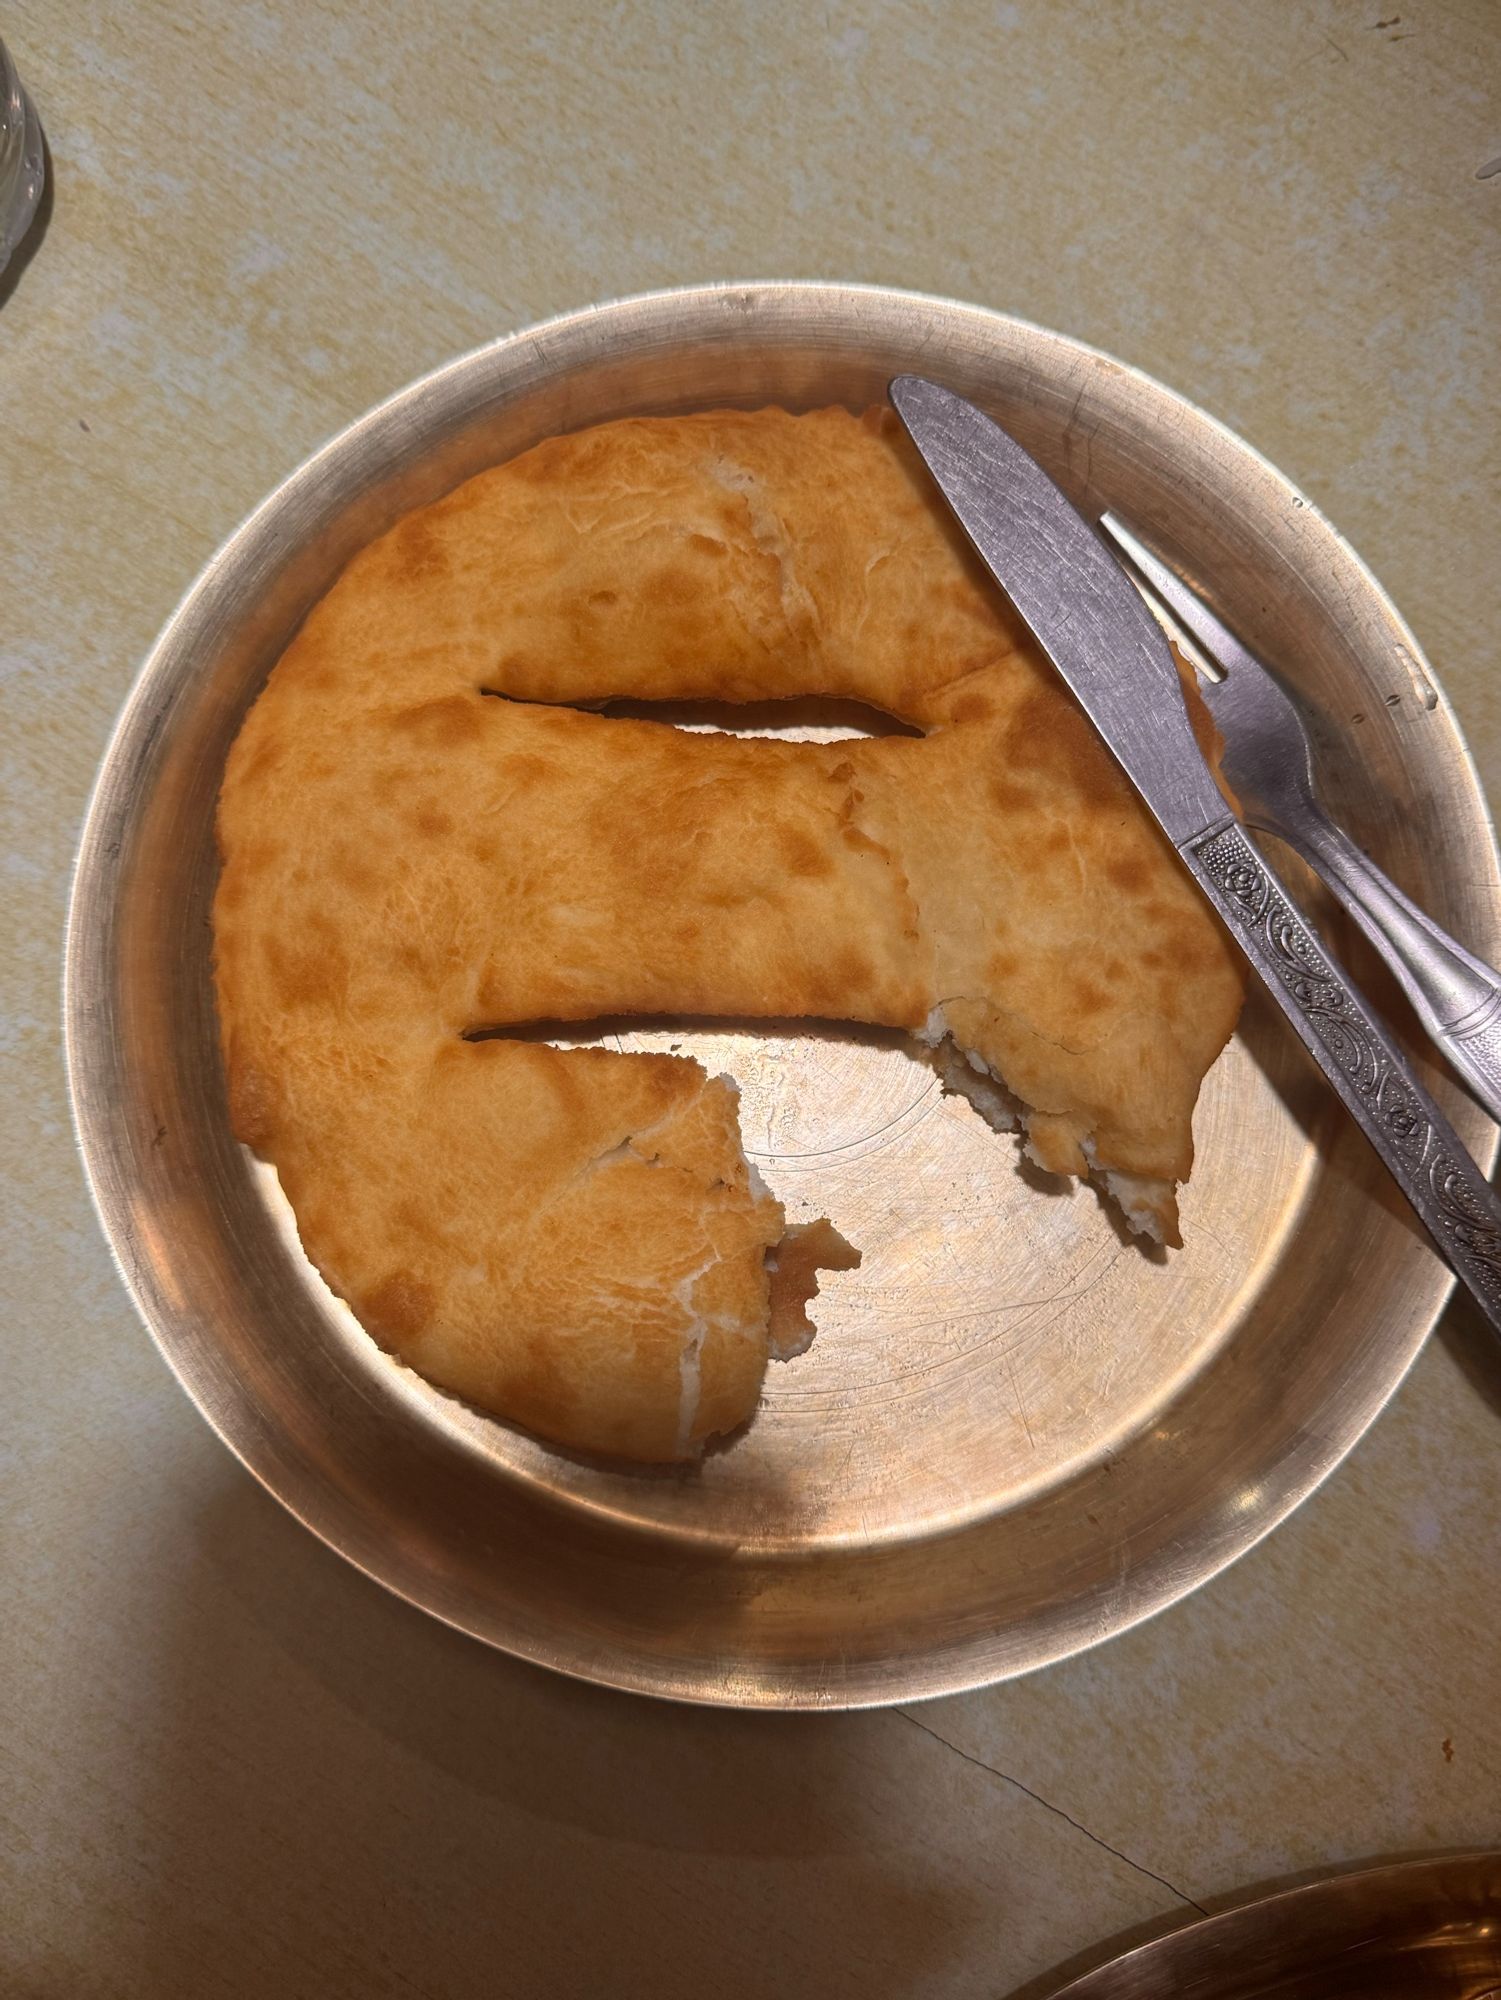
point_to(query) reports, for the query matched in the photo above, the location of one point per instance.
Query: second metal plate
(1428, 1929)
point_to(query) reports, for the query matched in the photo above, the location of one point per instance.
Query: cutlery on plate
(1268, 762)
(1098, 631)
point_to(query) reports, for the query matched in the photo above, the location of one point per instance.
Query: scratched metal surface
(1016, 1433)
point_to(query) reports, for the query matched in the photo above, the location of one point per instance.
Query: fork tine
(1188, 609)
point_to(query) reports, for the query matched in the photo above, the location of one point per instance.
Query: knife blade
(1093, 625)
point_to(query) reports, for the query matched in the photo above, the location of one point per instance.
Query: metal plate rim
(1382, 1888)
(95, 880)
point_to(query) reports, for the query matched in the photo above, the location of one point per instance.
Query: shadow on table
(1474, 1346)
(411, 1813)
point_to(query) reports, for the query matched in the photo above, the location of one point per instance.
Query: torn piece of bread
(569, 1237)
(793, 1268)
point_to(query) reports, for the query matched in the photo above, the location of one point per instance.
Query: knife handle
(1453, 1199)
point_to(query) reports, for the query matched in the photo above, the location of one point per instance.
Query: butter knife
(1096, 629)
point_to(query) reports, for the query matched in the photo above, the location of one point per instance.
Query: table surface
(231, 1765)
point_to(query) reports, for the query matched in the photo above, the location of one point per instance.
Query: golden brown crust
(408, 859)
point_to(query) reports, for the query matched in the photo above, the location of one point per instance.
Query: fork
(1268, 762)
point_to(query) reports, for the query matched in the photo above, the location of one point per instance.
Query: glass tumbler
(21, 165)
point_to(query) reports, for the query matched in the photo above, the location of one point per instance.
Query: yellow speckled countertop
(231, 1766)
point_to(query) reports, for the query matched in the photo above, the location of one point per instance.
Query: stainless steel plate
(1016, 1433)
(1414, 1930)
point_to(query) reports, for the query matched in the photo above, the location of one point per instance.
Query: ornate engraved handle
(1456, 995)
(1452, 1197)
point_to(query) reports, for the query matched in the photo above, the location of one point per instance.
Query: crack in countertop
(1047, 1804)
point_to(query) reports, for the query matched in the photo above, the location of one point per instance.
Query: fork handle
(1456, 996)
